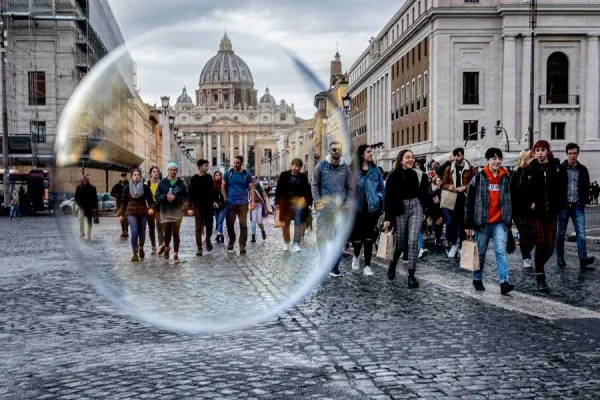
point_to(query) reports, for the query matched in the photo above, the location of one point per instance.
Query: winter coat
(372, 185)
(583, 182)
(136, 207)
(201, 193)
(332, 185)
(117, 193)
(476, 206)
(396, 182)
(171, 211)
(519, 208)
(449, 180)
(547, 191)
(286, 195)
(86, 197)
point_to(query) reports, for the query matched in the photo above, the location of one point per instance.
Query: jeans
(83, 215)
(257, 218)
(242, 213)
(220, 218)
(498, 232)
(325, 233)
(297, 216)
(203, 219)
(138, 231)
(14, 211)
(420, 240)
(576, 213)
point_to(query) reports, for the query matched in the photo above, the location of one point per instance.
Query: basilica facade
(226, 115)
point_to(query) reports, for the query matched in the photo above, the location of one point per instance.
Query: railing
(569, 99)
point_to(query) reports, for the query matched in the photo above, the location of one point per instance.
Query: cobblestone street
(352, 338)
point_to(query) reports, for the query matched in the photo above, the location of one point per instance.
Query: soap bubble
(100, 135)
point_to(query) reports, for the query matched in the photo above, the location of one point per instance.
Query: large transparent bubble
(104, 131)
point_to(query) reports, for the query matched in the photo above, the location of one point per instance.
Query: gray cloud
(310, 28)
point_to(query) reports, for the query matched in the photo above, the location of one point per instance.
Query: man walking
(456, 179)
(488, 212)
(236, 188)
(86, 199)
(332, 189)
(117, 193)
(544, 191)
(201, 202)
(578, 187)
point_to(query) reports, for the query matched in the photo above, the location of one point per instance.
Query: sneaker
(209, 245)
(230, 246)
(367, 271)
(135, 257)
(527, 263)
(176, 258)
(296, 248)
(199, 252)
(253, 239)
(242, 251)
(286, 246)
(542, 287)
(585, 263)
(355, 263)
(560, 261)
(453, 250)
(142, 254)
(161, 250)
(423, 253)
(506, 288)
(413, 283)
(478, 285)
(153, 251)
(264, 235)
(335, 272)
(166, 252)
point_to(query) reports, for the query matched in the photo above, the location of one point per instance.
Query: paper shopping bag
(448, 200)
(386, 245)
(469, 256)
(277, 223)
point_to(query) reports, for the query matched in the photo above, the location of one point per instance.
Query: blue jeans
(14, 211)
(297, 217)
(325, 233)
(420, 240)
(220, 217)
(577, 214)
(138, 231)
(499, 233)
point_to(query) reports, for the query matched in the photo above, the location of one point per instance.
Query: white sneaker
(423, 253)
(355, 263)
(367, 271)
(296, 248)
(453, 251)
(286, 246)
(527, 263)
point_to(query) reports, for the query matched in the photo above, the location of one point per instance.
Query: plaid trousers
(408, 225)
(544, 233)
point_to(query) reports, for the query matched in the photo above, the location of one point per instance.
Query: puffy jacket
(476, 206)
(371, 184)
(136, 207)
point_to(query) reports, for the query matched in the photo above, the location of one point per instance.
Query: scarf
(136, 190)
(217, 183)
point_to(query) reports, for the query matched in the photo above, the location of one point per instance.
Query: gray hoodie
(332, 185)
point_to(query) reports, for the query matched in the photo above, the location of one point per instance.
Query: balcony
(560, 99)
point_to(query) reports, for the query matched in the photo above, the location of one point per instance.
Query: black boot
(542, 287)
(391, 271)
(506, 288)
(253, 240)
(264, 235)
(478, 285)
(412, 281)
(209, 245)
(560, 253)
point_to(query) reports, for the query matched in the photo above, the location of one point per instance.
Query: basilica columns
(205, 145)
(525, 86)
(219, 161)
(231, 155)
(591, 96)
(210, 147)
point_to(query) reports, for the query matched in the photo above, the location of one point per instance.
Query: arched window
(557, 79)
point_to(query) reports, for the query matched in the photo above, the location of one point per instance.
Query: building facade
(227, 117)
(424, 72)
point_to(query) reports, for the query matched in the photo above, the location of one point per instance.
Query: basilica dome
(267, 98)
(226, 67)
(184, 98)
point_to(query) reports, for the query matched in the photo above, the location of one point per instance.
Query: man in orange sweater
(488, 212)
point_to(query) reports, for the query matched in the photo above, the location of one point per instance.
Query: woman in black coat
(293, 198)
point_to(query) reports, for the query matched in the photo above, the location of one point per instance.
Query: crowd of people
(538, 197)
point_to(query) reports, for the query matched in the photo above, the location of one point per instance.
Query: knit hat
(173, 164)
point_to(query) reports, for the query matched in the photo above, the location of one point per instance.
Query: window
(419, 132)
(470, 129)
(38, 131)
(557, 130)
(470, 87)
(425, 47)
(282, 117)
(235, 118)
(37, 88)
(214, 118)
(557, 79)
(425, 131)
(419, 51)
(471, 1)
(265, 118)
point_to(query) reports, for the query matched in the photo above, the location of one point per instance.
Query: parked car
(68, 206)
(105, 203)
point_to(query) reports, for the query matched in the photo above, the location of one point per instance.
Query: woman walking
(261, 211)
(154, 225)
(136, 204)
(292, 198)
(407, 196)
(219, 206)
(14, 205)
(519, 209)
(170, 195)
(368, 207)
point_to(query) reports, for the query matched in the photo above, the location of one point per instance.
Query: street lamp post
(5, 156)
(166, 137)
(532, 22)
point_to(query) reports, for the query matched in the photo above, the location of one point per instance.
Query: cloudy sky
(310, 28)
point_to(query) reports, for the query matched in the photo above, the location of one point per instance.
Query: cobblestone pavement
(351, 338)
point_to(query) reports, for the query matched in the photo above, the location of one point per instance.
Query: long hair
(398, 162)
(360, 155)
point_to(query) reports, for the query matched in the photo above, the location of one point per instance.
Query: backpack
(244, 172)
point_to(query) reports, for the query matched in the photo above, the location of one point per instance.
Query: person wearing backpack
(237, 188)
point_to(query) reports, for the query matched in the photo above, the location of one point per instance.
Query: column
(210, 149)
(166, 142)
(509, 88)
(525, 83)
(231, 148)
(219, 160)
(245, 136)
(591, 95)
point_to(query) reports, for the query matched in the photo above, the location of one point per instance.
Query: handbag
(385, 248)
(95, 217)
(277, 223)
(469, 255)
(511, 245)
(448, 200)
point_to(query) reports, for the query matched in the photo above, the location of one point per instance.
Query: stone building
(430, 82)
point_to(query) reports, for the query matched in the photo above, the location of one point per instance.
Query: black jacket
(519, 207)
(117, 193)
(201, 194)
(547, 191)
(395, 183)
(86, 197)
(583, 182)
(286, 191)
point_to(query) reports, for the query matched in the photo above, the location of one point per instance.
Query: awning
(97, 152)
